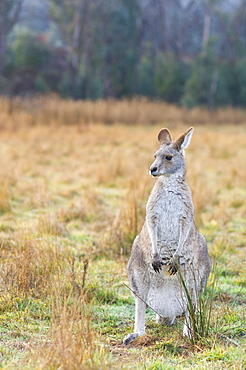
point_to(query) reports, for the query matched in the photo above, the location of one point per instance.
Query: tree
(177, 50)
(200, 87)
(119, 49)
(33, 65)
(169, 78)
(73, 18)
(9, 16)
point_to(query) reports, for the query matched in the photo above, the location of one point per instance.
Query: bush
(29, 52)
(169, 78)
(146, 75)
(31, 66)
(198, 85)
(233, 76)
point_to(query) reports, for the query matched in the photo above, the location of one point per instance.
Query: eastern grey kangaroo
(169, 251)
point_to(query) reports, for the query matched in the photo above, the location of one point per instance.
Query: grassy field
(73, 187)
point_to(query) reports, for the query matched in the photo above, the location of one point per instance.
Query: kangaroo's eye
(168, 157)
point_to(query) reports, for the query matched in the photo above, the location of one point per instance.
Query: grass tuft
(201, 315)
(5, 205)
(71, 343)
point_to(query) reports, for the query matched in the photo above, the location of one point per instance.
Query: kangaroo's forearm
(185, 226)
(152, 230)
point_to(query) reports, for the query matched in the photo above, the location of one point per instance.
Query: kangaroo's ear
(164, 136)
(184, 140)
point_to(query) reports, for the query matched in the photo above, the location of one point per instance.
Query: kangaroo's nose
(153, 170)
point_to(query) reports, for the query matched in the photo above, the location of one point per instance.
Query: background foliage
(189, 52)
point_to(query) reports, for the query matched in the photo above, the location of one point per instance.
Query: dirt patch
(134, 352)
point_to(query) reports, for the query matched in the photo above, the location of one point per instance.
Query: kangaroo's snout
(153, 171)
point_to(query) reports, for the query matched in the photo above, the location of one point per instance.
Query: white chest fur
(165, 210)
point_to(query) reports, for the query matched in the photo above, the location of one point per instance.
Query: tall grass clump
(49, 224)
(5, 205)
(71, 343)
(33, 269)
(28, 265)
(200, 316)
(123, 228)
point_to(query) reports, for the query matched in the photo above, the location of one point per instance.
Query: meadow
(73, 187)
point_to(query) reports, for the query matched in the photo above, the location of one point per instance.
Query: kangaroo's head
(169, 158)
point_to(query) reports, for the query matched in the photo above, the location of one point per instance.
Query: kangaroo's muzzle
(153, 171)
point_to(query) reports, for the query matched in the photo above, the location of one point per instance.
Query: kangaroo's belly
(165, 295)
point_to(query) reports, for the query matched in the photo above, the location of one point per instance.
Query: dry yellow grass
(71, 344)
(72, 186)
(52, 110)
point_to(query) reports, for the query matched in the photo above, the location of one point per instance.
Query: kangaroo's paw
(157, 263)
(129, 338)
(173, 267)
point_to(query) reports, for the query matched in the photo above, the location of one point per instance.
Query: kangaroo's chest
(167, 210)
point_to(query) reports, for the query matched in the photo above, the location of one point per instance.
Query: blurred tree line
(190, 52)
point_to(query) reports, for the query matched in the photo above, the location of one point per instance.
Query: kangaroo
(169, 256)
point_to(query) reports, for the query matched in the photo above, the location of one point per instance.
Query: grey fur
(169, 241)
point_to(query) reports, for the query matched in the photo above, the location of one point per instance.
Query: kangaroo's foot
(130, 337)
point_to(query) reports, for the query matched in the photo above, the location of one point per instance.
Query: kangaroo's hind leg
(139, 327)
(140, 289)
